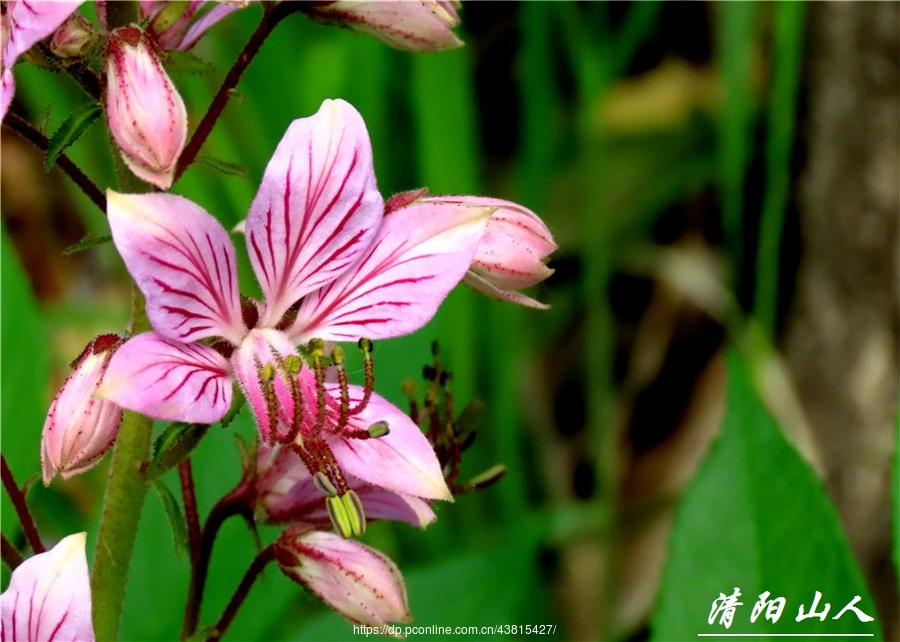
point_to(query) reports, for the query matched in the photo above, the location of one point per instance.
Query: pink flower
(411, 26)
(79, 428)
(358, 582)
(22, 24)
(284, 491)
(513, 252)
(146, 114)
(331, 267)
(49, 596)
(177, 25)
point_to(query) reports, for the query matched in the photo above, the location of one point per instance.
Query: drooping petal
(214, 12)
(402, 461)
(317, 208)
(478, 282)
(182, 260)
(360, 583)
(267, 366)
(420, 253)
(286, 493)
(49, 596)
(168, 380)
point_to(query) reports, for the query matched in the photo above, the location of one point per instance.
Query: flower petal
(317, 208)
(402, 461)
(183, 262)
(7, 89)
(30, 21)
(272, 398)
(421, 252)
(286, 493)
(49, 596)
(168, 380)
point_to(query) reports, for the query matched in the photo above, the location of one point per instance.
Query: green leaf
(87, 243)
(176, 518)
(70, 131)
(174, 444)
(756, 517)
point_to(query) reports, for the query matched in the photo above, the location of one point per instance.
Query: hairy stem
(126, 488)
(24, 129)
(269, 21)
(18, 500)
(259, 562)
(186, 475)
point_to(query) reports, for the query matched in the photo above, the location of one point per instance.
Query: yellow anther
(355, 514)
(379, 429)
(337, 355)
(324, 485)
(268, 372)
(292, 363)
(337, 511)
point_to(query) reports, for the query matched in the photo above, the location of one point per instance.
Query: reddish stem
(11, 555)
(269, 21)
(259, 562)
(186, 474)
(24, 129)
(18, 500)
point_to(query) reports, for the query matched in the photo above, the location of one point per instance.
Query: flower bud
(73, 38)
(146, 114)
(356, 581)
(512, 252)
(80, 428)
(411, 26)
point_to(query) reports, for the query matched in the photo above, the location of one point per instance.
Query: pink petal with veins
(29, 21)
(317, 208)
(271, 399)
(182, 260)
(49, 596)
(168, 380)
(402, 461)
(421, 252)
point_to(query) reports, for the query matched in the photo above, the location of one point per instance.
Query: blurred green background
(665, 145)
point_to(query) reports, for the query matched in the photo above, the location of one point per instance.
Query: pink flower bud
(146, 114)
(411, 26)
(512, 252)
(80, 428)
(73, 38)
(356, 581)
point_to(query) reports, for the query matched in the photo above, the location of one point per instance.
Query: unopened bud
(357, 581)
(73, 38)
(147, 117)
(411, 26)
(80, 428)
(512, 253)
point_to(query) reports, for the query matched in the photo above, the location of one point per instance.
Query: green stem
(126, 488)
